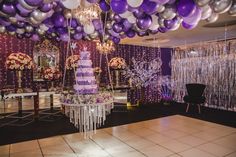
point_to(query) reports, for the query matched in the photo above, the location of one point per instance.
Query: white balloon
(134, 3)
(20, 30)
(155, 23)
(89, 29)
(131, 19)
(126, 14)
(71, 4)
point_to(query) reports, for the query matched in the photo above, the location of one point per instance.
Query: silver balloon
(67, 13)
(160, 8)
(43, 27)
(40, 31)
(20, 30)
(12, 19)
(12, 33)
(169, 13)
(54, 34)
(213, 18)
(202, 3)
(38, 15)
(109, 25)
(161, 22)
(25, 5)
(2, 29)
(33, 21)
(112, 15)
(232, 10)
(221, 6)
(3, 14)
(29, 29)
(177, 24)
(106, 37)
(206, 12)
(94, 35)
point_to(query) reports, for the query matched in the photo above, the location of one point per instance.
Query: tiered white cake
(85, 79)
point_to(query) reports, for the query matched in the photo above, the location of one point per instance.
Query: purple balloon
(11, 28)
(188, 26)
(8, 8)
(145, 22)
(97, 24)
(142, 34)
(58, 20)
(22, 11)
(118, 27)
(79, 28)
(74, 23)
(194, 18)
(117, 18)
(48, 22)
(138, 13)
(61, 30)
(35, 37)
(27, 34)
(116, 40)
(20, 24)
(131, 9)
(104, 6)
(130, 33)
(119, 6)
(78, 36)
(162, 29)
(127, 25)
(46, 7)
(64, 37)
(50, 30)
(4, 22)
(149, 7)
(34, 2)
(170, 23)
(185, 7)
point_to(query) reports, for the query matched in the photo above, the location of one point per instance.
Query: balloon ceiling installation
(126, 18)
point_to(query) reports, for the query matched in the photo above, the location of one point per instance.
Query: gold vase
(19, 81)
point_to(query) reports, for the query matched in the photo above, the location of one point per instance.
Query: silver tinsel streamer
(212, 64)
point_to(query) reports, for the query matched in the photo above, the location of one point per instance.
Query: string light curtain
(213, 64)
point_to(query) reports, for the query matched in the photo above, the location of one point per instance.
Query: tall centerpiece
(85, 79)
(51, 74)
(117, 64)
(19, 62)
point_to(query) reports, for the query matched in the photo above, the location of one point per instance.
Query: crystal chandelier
(105, 47)
(86, 14)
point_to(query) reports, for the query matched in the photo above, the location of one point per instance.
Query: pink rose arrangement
(51, 73)
(19, 61)
(117, 63)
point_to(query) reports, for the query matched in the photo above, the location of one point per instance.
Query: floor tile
(52, 141)
(139, 143)
(174, 133)
(175, 146)
(191, 140)
(158, 138)
(215, 149)
(31, 153)
(24, 146)
(231, 154)
(156, 151)
(195, 153)
(129, 154)
(227, 141)
(57, 150)
(4, 150)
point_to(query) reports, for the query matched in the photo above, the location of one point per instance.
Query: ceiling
(183, 36)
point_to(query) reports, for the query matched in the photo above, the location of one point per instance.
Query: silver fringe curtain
(212, 64)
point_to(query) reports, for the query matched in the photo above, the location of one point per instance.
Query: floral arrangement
(117, 63)
(72, 62)
(51, 73)
(97, 70)
(102, 97)
(19, 61)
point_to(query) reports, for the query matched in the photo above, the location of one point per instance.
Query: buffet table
(87, 112)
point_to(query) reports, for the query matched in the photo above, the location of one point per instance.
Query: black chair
(195, 95)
